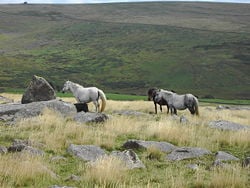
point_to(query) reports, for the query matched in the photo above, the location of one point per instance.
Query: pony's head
(151, 93)
(66, 86)
(162, 95)
(157, 96)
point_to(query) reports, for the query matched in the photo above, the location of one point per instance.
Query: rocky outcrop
(130, 158)
(223, 156)
(90, 117)
(23, 146)
(227, 125)
(129, 113)
(86, 152)
(140, 144)
(38, 90)
(226, 107)
(91, 153)
(12, 112)
(187, 153)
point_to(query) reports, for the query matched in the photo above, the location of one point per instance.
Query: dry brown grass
(14, 97)
(106, 171)
(229, 176)
(55, 132)
(21, 168)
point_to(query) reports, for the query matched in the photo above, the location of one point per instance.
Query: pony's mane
(76, 84)
(166, 91)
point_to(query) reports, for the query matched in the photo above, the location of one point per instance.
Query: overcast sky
(105, 1)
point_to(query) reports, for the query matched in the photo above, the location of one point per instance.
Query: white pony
(86, 95)
(179, 102)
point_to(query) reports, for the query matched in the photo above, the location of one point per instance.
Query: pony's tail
(196, 106)
(103, 98)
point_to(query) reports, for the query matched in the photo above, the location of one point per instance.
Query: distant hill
(199, 48)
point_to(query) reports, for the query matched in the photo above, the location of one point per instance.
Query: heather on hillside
(201, 48)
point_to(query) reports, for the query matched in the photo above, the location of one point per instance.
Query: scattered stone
(24, 142)
(208, 109)
(16, 148)
(183, 120)
(3, 150)
(187, 153)
(246, 162)
(58, 158)
(27, 143)
(129, 113)
(90, 117)
(33, 151)
(192, 166)
(225, 107)
(223, 156)
(130, 158)
(38, 90)
(227, 125)
(221, 107)
(86, 152)
(140, 144)
(175, 117)
(24, 146)
(73, 178)
(6, 118)
(218, 163)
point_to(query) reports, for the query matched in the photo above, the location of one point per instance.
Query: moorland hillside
(202, 48)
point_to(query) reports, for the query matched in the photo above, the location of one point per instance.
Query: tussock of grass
(109, 171)
(229, 176)
(21, 169)
(154, 154)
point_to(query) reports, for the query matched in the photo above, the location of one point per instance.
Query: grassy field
(200, 48)
(52, 133)
(127, 97)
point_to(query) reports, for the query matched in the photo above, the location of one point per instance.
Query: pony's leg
(175, 111)
(97, 105)
(161, 108)
(168, 109)
(155, 108)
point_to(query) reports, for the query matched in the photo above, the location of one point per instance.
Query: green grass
(123, 97)
(127, 97)
(223, 101)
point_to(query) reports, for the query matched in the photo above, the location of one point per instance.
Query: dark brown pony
(151, 97)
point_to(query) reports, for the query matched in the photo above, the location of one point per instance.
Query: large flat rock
(86, 152)
(227, 125)
(141, 144)
(187, 153)
(15, 111)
